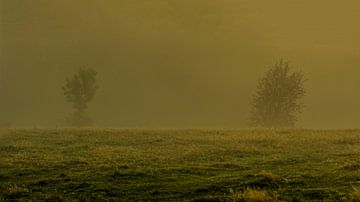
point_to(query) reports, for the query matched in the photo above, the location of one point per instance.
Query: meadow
(179, 165)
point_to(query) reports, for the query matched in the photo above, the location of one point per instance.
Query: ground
(179, 165)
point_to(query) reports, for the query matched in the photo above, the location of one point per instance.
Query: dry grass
(354, 196)
(268, 176)
(252, 195)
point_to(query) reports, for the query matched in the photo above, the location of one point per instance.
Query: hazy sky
(177, 63)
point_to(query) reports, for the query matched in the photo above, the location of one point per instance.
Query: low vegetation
(252, 195)
(180, 165)
(355, 195)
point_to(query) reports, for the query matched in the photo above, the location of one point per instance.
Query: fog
(177, 63)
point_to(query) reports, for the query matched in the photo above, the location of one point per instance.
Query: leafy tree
(276, 102)
(80, 90)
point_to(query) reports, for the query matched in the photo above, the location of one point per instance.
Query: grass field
(180, 165)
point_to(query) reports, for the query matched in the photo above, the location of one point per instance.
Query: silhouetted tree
(80, 90)
(277, 99)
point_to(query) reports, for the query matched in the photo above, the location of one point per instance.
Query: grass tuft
(268, 177)
(14, 192)
(252, 195)
(354, 196)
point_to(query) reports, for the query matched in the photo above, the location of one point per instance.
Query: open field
(180, 165)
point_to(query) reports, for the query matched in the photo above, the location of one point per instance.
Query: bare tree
(80, 90)
(276, 102)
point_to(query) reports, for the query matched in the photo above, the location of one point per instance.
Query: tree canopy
(276, 102)
(80, 90)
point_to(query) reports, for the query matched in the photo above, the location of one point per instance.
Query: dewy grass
(179, 165)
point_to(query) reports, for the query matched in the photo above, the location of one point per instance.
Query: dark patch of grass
(9, 149)
(230, 166)
(321, 194)
(4, 177)
(285, 162)
(353, 167)
(132, 175)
